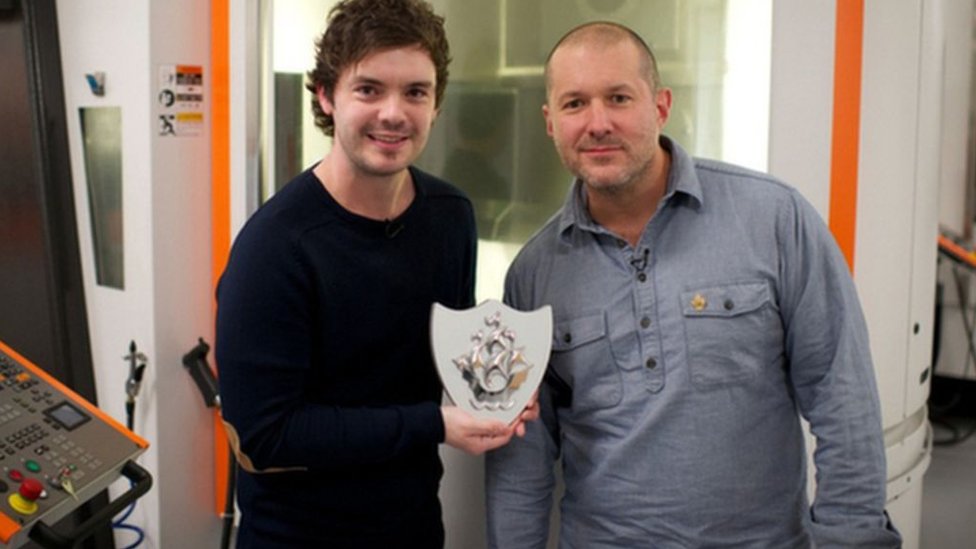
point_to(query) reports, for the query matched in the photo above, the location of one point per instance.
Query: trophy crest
(491, 358)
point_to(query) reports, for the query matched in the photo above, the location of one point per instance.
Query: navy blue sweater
(326, 374)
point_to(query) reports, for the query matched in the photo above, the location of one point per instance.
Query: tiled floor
(949, 494)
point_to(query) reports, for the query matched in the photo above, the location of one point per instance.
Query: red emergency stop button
(31, 489)
(25, 500)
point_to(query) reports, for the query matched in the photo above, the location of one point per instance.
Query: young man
(698, 307)
(329, 393)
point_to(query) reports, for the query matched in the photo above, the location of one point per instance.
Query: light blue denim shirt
(678, 374)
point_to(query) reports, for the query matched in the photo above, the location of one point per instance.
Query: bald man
(700, 309)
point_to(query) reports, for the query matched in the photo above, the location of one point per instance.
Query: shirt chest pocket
(582, 361)
(732, 332)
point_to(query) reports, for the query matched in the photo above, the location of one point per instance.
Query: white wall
(801, 97)
(166, 302)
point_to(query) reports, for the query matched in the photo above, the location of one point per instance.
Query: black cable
(130, 412)
(137, 367)
(947, 425)
(120, 523)
(956, 436)
(944, 409)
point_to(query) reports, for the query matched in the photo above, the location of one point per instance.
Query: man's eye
(417, 93)
(574, 104)
(365, 90)
(620, 98)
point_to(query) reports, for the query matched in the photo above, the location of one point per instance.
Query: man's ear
(662, 105)
(545, 114)
(324, 101)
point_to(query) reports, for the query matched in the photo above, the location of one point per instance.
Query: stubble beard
(620, 185)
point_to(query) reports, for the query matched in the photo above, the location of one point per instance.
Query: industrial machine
(57, 450)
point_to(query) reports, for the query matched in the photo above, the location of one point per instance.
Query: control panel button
(15, 475)
(30, 489)
(24, 501)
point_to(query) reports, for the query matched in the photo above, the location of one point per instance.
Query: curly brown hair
(357, 28)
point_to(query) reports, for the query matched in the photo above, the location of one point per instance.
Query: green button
(32, 466)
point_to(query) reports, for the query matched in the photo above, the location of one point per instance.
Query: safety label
(180, 100)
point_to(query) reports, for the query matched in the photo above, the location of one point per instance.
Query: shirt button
(645, 322)
(621, 243)
(567, 337)
(642, 277)
(651, 363)
(729, 305)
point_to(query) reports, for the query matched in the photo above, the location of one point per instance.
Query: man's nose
(599, 123)
(392, 110)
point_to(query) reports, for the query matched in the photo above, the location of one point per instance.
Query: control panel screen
(67, 415)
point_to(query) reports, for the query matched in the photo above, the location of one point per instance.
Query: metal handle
(48, 538)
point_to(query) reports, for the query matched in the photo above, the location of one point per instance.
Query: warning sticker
(180, 100)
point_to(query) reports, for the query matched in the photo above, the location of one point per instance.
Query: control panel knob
(24, 501)
(31, 489)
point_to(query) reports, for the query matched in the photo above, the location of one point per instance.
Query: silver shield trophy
(491, 358)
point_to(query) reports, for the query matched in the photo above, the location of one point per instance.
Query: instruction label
(180, 100)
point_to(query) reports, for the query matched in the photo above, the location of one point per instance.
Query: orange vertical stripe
(220, 193)
(846, 125)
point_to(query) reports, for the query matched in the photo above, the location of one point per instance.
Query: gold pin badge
(698, 302)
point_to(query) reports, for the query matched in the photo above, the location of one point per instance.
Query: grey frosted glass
(490, 137)
(290, 100)
(101, 134)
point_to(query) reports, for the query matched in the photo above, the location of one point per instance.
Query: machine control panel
(57, 450)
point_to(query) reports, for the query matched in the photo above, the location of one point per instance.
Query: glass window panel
(289, 106)
(490, 137)
(101, 131)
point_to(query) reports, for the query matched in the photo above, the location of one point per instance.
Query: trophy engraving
(493, 368)
(491, 358)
